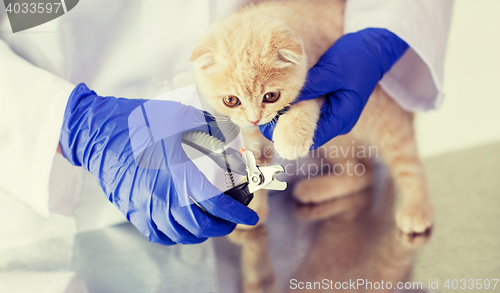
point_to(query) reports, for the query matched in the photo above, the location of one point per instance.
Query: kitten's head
(250, 66)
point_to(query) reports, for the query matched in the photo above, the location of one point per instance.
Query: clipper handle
(240, 193)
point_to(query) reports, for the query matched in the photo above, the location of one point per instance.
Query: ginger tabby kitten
(253, 64)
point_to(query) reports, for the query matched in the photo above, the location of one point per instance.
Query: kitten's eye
(271, 97)
(231, 101)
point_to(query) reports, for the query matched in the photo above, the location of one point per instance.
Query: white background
(470, 114)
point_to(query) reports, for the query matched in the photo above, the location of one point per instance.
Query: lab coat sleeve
(416, 80)
(32, 103)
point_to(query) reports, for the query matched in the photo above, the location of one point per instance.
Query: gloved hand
(347, 75)
(133, 148)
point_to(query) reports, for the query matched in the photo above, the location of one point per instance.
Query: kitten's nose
(254, 122)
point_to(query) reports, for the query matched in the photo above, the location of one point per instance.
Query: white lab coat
(140, 49)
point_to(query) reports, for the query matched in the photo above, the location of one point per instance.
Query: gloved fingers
(147, 227)
(189, 180)
(214, 128)
(327, 126)
(268, 129)
(165, 223)
(220, 129)
(321, 80)
(349, 106)
(323, 132)
(226, 208)
(145, 224)
(338, 115)
(199, 223)
(156, 236)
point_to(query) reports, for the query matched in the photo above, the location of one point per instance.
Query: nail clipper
(231, 160)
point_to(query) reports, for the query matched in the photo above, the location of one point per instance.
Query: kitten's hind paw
(243, 237)
(414, 240)
(415, 217)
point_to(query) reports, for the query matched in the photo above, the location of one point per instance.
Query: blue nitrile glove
(133, 148)
(347, 75)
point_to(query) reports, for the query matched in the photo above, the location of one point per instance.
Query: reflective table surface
(350, 244)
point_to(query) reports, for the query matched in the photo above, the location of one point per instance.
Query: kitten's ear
(288, 56)
(202, 57)
(204, 61)
(290, 50)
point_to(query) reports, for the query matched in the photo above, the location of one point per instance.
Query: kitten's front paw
(291, 138)
(415, 217)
